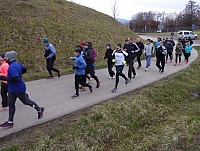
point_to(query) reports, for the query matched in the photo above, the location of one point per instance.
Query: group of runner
(11, 71)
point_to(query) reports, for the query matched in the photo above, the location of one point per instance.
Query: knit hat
(119, 45)
(11, 55)
(78, 51)
(45, 41)
(109, 45)
(82, 43)
(2, 55)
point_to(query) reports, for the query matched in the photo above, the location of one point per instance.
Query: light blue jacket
(52, 50)
(188, 49)
(80, 62)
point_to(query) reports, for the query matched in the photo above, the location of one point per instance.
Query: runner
(161, 52)
(4, 85)
(17, 88)
(79, 67)
(148, 51)
(119, 60)
(169, 47)
(50, 55)
(132, 50)
(188, 50)
(178, 50)
(139, 53)
(108, 56)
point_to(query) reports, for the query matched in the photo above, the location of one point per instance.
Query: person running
(148, 51)
(108, 56)
(79, 67)
(132, 50)
(161, 52)
(125, 49)
(188, 50)
(158, 43)
(178, 50)
(139, 53)
(172, 34)
(119, 60)
(89, 59)
(4, 85)
(169, 48)
(17, 88)
(50, 55)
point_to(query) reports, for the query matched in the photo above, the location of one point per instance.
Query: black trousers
(80, 79)
(110, 71)
(131, 69)
(160, 60)
(119, 70)
(49, 66)
(24, 98)
(187, 55)
(178, 56)
(4, 94)
(139, 54)
(90, 70)
(170, 56)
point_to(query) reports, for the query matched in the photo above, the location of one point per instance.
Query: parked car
(186, 34)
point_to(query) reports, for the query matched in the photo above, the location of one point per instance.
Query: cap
(2, 55)
(45, 41)
(11, 55)
(109, 45)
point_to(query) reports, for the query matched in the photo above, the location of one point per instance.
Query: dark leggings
(119, 70)
(178, 56)
(187, 55)
(80, 79)
(160, 60)
(110, 71)
(139, 54)
(90, 70)
(24, 98)
(131, 69)
(49, 66)
(4, 94)
(170, 56)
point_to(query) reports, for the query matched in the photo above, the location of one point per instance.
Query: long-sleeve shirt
(149, 49)
(188, 49)
(50, 51)
(4, 70)
(119, 56)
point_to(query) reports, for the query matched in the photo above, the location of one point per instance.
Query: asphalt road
(55, 95)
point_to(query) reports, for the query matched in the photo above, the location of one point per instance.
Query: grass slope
(162, 116)
(24, 24)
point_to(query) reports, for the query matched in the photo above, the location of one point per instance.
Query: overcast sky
(127, 8)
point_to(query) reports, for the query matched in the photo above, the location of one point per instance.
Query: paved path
(55, 95)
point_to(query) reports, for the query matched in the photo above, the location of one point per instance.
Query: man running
(139, 53)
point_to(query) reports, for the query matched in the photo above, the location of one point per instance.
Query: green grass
(24, 24)
(162, 116)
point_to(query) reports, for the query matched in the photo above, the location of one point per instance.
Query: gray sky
(127, 8)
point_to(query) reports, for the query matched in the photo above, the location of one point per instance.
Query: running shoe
(7, 125)
(40, 113)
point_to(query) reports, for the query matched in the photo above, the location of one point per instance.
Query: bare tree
(115, 10)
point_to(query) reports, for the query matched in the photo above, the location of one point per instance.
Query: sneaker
(139, 67)
(175, 64)
(3, 108)
(114, 90)
(133, 76)
(146, 69)
(7, 125)
(75, 96)
(50, 77)
(159, 70)
(179, 63)
(113, 77)
(91, 89)
(186, 62)
(98, 84)
(170, 61)
(127, 81)
(40, 113)
(162, 71)
(59, 74)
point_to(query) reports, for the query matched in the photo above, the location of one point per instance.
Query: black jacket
(161, 52)
(88, 56)
(141, 46)
(108, 55)
(132, 47)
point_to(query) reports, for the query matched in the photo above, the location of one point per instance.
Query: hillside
(24, 24)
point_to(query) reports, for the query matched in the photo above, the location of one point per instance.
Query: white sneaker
(112, 77)
(146, 69)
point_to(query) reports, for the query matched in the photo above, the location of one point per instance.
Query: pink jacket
(4, 69)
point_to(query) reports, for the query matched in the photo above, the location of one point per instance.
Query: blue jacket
(188, 49)
(51, 51)
(80, 62)
(158, 44)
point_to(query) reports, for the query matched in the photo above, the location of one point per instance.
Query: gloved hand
(123, 62)
(113, 60)
(75, 67)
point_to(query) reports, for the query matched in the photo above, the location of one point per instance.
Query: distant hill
(123, 21)
(24, 24)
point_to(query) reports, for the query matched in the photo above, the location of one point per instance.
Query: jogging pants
(178, 56)
(187, 55)
(170, 56)
(80, 79)
(49, 66)
(131, 69)
(4, 94)
(24, 98)
(119, 70)
(139, 54)
(90, 70)
(162, 62)
(110, 71)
